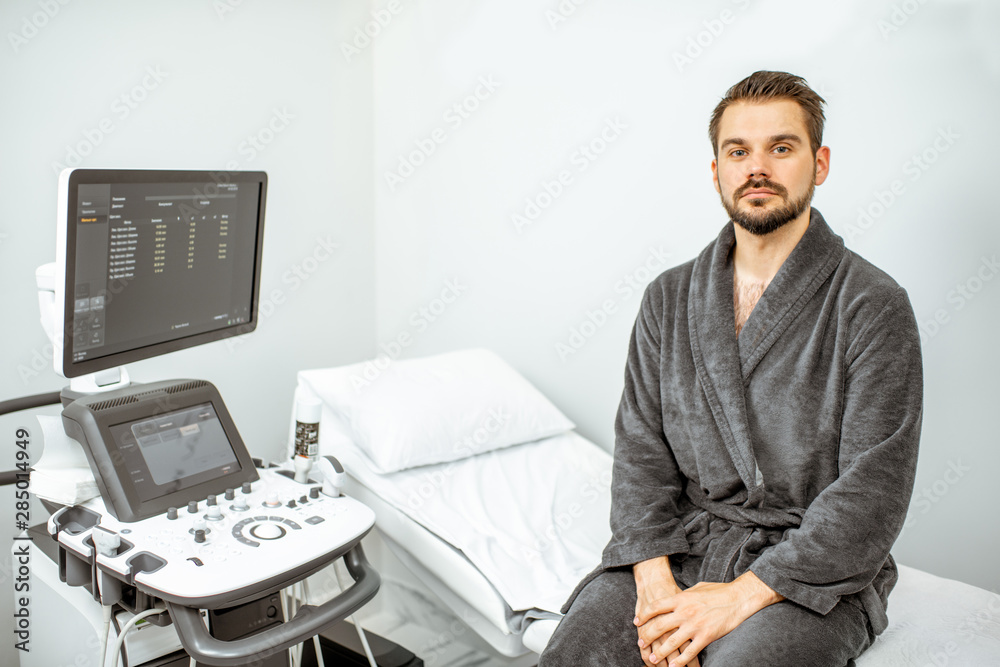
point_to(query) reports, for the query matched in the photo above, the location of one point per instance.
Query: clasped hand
(678, 626)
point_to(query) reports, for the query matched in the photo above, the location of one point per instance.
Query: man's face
(766, 171)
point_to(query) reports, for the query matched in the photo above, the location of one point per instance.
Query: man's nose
(757, 168)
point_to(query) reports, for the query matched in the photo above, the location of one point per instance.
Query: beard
(759, 221)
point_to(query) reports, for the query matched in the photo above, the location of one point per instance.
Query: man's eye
(782, 149)
(739, 152)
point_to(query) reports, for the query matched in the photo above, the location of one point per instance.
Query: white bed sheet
(532, 518)
(459, 586)
(937, 621)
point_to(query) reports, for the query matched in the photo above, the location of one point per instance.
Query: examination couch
(486, 494)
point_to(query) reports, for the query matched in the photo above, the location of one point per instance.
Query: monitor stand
(96, 383)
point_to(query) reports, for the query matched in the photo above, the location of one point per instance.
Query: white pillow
(447, 407)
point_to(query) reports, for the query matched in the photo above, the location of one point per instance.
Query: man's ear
(822, 164)
(715, 175)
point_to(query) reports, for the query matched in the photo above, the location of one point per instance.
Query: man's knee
(789, 634)
(598, 629)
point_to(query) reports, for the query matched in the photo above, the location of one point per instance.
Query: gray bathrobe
(789, 451)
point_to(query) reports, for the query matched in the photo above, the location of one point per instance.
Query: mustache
(777, 188)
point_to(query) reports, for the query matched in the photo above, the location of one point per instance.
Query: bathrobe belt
(730, 537)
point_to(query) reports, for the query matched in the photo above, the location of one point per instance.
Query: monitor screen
(168, 452)
(149, 262)
(159, 445)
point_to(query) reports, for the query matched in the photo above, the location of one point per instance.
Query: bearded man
(766, 440)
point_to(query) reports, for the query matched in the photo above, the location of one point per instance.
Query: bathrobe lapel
(724, 365)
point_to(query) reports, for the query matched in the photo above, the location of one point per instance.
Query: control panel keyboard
(241, 540)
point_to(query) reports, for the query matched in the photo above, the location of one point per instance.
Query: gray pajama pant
(598, 631)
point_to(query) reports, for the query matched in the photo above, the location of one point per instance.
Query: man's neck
(758, 258)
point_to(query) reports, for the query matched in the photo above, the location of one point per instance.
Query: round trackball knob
(272, 500)
(267, 531)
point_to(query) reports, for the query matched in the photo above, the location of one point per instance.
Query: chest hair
(746, 294)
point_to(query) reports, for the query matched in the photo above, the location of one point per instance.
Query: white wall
(894, 82)
(228, 70)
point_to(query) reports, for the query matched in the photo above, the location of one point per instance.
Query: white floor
(439, 639)
(404, 611)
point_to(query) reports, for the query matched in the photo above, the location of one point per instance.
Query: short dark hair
(764, 86)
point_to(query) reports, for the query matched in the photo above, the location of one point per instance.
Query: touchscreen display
(175, 450)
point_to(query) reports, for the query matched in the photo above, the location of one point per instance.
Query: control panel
(241, 542)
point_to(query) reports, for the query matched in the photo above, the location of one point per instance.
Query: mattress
(532, 518)
(459, 586)
(937, 621)
(932, 620)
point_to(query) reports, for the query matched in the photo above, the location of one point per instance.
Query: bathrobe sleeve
(646, 482)
(848, 529)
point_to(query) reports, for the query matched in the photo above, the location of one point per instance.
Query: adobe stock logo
(550, 189)
(562, 13)
(121, 108)
(454, 116)
(32, 25)
(699, 43)
(914, 169)
(900, 16)
(381, 18)
(420, 320)
(923, 502)
(633, 282)
(959, 297)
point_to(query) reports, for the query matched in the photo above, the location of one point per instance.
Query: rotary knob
(193, 507)
(199, 536)
(241, 504)
(230, 494)
(211, 501)
(314, 492)
(172, 513)
(272, 500)
(214, 513)
(247, 488)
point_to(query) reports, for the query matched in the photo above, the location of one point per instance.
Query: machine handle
(309, 621)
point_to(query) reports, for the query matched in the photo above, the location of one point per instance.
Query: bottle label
(306, 439)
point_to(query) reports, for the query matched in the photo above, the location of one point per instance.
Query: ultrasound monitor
(149, 262)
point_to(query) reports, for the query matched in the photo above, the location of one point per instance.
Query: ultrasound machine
(187, 554)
